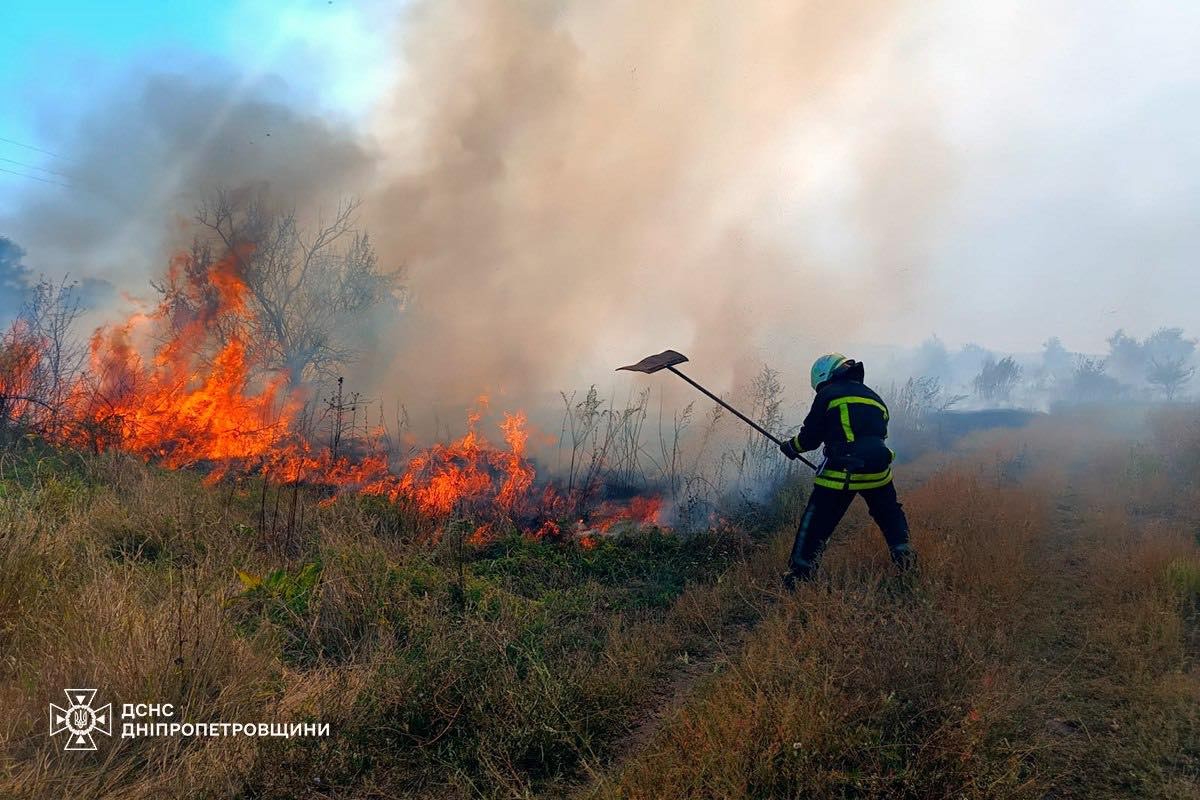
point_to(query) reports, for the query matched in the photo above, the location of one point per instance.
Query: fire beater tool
(667, 359)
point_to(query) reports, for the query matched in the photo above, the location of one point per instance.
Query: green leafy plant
(282, 600)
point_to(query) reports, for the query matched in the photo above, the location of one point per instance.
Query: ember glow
(200, 399)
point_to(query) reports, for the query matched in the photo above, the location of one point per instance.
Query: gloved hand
(789, 450)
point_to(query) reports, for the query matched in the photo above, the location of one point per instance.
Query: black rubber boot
(801, 572)
(904, 557)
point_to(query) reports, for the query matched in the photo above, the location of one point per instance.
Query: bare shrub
(1169, 376)
(997, 379)
(309, 287)
(40, 359)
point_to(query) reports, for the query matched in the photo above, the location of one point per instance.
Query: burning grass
(187, 385)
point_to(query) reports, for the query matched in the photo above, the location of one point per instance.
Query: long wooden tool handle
(738, 414)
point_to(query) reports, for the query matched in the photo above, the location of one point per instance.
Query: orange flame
(201, 398)
(193, 401)
(20, 354)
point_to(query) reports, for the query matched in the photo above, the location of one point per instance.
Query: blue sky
(59, 59)
(55, 53)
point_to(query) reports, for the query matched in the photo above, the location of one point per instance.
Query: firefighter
(851, 421)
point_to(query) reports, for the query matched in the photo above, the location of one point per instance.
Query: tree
(1168, 344)
(40, 358)
(1168, 354)
(1091, 383)
(918, 401)
(1126, 357)
(50, 313)
(309, 289)
(1169, 376)
(1161, 359)
(1056, 360)
(969, 358)
(997, 379)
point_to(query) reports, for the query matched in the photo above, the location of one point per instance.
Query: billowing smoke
(152, 150)
(574, 185)
(567, 187)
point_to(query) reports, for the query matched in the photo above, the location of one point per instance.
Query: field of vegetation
(1047, 647)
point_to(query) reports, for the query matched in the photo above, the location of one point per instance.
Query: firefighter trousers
(825, 510)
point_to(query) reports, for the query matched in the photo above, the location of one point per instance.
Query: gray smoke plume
(144, 158)
(574, 185)
(568, 186)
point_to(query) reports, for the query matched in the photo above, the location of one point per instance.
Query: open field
(1046, 649)
(418, 400)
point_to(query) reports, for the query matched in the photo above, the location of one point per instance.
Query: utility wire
(34, 166)
(36, 178)
(31, 147)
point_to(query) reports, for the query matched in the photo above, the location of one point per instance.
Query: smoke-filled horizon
(570, 186)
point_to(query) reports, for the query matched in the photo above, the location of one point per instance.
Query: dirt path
(666, 705)
(688, 676)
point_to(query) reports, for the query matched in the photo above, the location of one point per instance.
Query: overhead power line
(36, 178)
(23, 165)
(31, 147)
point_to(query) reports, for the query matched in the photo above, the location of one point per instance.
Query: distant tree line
(1160, 366)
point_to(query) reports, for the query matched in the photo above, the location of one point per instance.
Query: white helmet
(825, 366)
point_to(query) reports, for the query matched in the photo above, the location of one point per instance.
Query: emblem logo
(80, 719)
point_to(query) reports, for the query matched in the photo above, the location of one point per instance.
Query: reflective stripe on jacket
(851, 421)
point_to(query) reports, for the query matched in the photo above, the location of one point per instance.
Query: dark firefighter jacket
(851, 421)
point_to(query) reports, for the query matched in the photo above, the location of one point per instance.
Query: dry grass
(1046, 649)
(514, 676)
